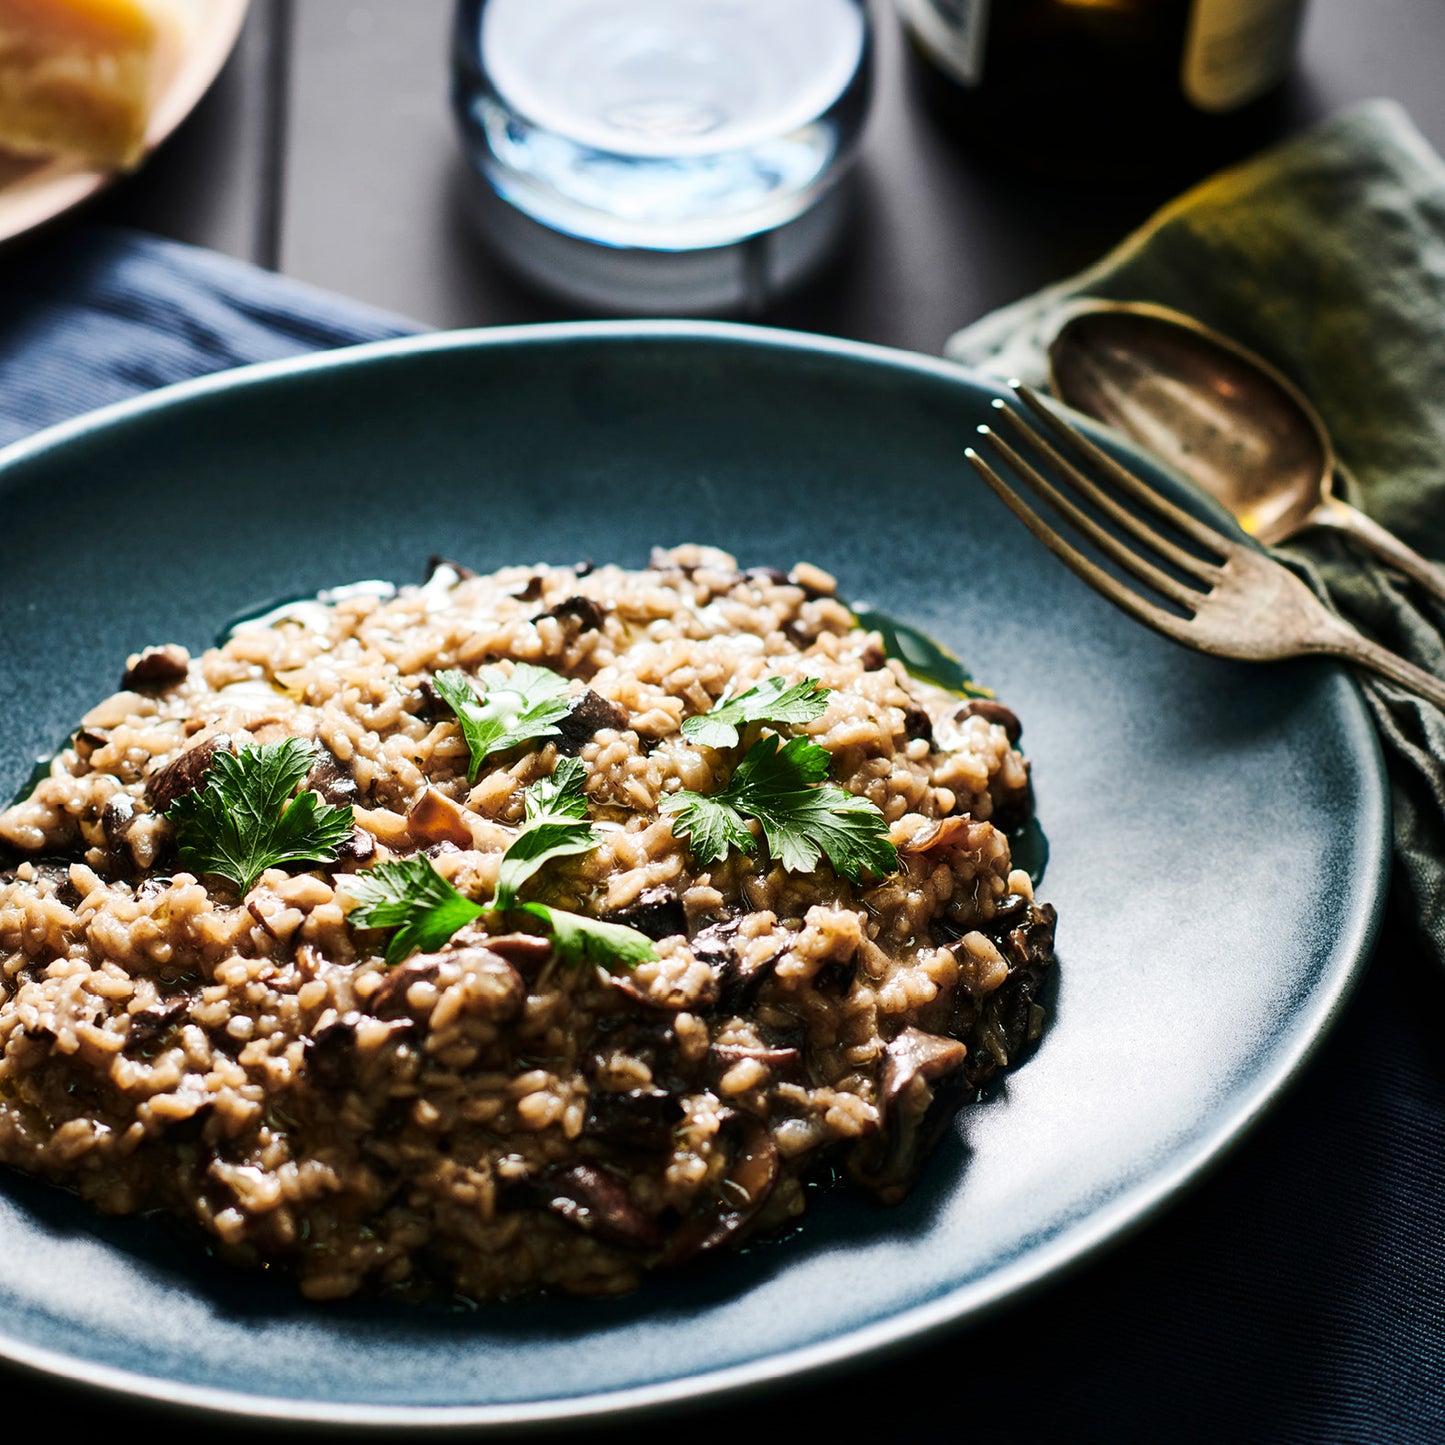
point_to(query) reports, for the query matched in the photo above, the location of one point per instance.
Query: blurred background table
(326, 151)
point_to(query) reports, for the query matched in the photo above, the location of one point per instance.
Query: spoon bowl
(1218, 413)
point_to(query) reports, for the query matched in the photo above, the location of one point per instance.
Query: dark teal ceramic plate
(1218, 832)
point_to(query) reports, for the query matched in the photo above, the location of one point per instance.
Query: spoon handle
(1341, 516)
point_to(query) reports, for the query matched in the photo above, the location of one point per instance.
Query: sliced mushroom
(389, 999)
(1031, 944)
(1012, 1019)
(750, 1179)
(330, 778)
(783, 1062)
(648, 1038)
(1007, 913)
(188, 1129)
(88, 740)
(502, 991)
(994, 712)
(434, 818)
(940, 833)
(633, 1118)
(598, 1204)
(625, 984)
(253, 907)
(1012, 1015)
(150, 1025)
(658, 912)
(156, 667)
(454, 572)
(587, 612)
(117, 818)
(331, 1054)
(915, 1054)
(528, 953)
(431, 705)
(183, 774)
(359, 847)
(813, 580)
(918, 724)
(738, 980)
(873, 658)
(589, 715)
(911, 1117)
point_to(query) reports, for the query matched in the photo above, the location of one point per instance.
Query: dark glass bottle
(1106, 88)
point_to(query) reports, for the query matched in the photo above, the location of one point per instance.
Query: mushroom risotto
(516, 932)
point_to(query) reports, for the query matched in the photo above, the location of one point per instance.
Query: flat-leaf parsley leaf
(556, 827)
(412, 897)
(513, 708)
(774, 700)
(243, 819)
(780, 785)
(563, 795)
(580, 939)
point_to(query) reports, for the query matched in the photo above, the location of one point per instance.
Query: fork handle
(1348, 645)
(1340, 516)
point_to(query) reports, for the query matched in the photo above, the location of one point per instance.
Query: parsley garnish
(243, 819)
(924, 658)
(779, 787)
(563, 795)
(773, 700)
(555, 827)
(592, 940)
(512, 709)
(412, 897)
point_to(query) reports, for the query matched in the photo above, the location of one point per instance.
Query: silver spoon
(1221, 415)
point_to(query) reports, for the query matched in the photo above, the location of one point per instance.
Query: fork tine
(1206, 572)
(1149, 613)
(1081, 521)
(1127, 481)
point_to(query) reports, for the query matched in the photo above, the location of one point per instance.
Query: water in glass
(663, 124)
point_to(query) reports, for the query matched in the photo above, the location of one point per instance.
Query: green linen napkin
(1326, 255)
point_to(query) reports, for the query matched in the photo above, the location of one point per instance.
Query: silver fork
(1237, 601)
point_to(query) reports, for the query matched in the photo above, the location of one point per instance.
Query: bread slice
(77, 78)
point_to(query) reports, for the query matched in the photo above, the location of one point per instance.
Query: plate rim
(1080, 1243)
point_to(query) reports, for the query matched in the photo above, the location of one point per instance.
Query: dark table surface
(326, 151)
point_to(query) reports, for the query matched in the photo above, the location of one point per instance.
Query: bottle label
(953, 32)
(1235, 50)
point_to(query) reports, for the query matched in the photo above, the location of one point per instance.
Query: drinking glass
(662, 126)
